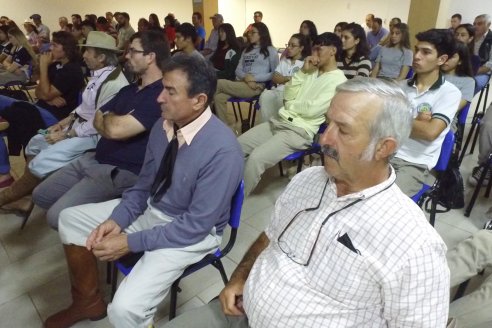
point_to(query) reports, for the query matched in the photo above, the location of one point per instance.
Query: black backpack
(450, 192)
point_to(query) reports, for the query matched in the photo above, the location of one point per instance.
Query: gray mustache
(330, 152)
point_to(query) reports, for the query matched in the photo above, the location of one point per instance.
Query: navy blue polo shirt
(129, 154)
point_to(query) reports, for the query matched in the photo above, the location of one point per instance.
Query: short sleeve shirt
(69, 80)
(21, 57)
(391, 60)
(129, 154)
(6, 48)
(465, 84)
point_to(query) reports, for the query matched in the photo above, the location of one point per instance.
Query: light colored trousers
(227, 89)
(485, 136)
(270, 102)
(138, 295)
(467, 259)
(50, 158)
(267, 144)
(6, 77)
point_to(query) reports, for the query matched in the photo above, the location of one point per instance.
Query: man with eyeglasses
(123, 123)
(175, 214)
(345, 247)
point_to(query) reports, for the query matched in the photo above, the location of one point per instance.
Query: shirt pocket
(342, 275)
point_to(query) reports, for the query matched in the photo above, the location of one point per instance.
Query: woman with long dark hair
(308, 29)
(298, 48)
(170, 30)
(226, 56)
(458, 70)
(60, 82)
(395, 59)
(355, 56)
(255, 68)
(15, 66)
(466, 33)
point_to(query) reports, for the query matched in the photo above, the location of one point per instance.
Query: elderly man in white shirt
(345, 247)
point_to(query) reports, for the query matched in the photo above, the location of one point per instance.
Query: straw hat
(29, 21)
(97, 39)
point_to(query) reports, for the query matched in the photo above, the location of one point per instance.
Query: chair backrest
(463, 114)
(446, 151)
(236, 206)
(410, 73)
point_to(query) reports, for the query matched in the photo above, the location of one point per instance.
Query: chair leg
(114, 279)
(476, 192)
(281, 168)
(432, 217)
(299, 164)
(174, 299)
(234, 111)
(218, 264)
(108, 272)
(467, 142)
(475, 137)
(489, 185)
(26, 217)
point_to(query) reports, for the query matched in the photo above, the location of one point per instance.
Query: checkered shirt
(396, 274)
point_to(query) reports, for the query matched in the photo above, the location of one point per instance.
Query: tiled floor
(34, 279)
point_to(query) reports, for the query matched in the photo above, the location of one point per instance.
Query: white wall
(283, 17)
(468, 9)
(50, 10)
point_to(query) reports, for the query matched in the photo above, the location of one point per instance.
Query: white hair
(395, 117)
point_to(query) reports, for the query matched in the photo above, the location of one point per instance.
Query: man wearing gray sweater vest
(175, 213)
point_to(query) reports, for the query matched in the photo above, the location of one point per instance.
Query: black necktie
(164, 175)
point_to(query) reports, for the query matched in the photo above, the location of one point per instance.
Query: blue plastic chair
(442, 164)
(213, 259)
(254, 105)
(298, 156)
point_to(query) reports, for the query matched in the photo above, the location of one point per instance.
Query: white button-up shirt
(392, 274)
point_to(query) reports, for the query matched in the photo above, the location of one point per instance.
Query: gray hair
(111, 58)
(485, 17)
(395, 117)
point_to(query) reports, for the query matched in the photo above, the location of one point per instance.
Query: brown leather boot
(87, 302)
(20, 188)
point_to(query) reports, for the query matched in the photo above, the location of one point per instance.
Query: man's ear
(442, 59)
(385, 148)
(199, 101)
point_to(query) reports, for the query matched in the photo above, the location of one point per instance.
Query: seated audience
(435, 102)
(63, 22)
(455, 22)
(124, 124)
(68, 139)
(125, 30)
(309, 30)
(298, 48)
(306, 97)
(377, 33)
(345, 247)
(15, 66)
(103, 25)
(213, 38)
(483, 49)
(257, 18)
(32, 35)
(5, 45)
(44, 32)
(154, 23)
(226, 56)
(458, 70)
(466, 33)
(86, 27)
(339, 28)
(143, 25)
(197, 21)
(256, 66)
(186, 40)
(395, 59)
(354, 60)
(175, 214)
(170, 29)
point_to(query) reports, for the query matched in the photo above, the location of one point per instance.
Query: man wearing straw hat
(124, 124)
(71, 137)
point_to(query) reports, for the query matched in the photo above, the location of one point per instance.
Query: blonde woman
(14, 67)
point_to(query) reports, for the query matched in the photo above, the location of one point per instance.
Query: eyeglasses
(290, 45)
(133, 51)
(292, 252)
